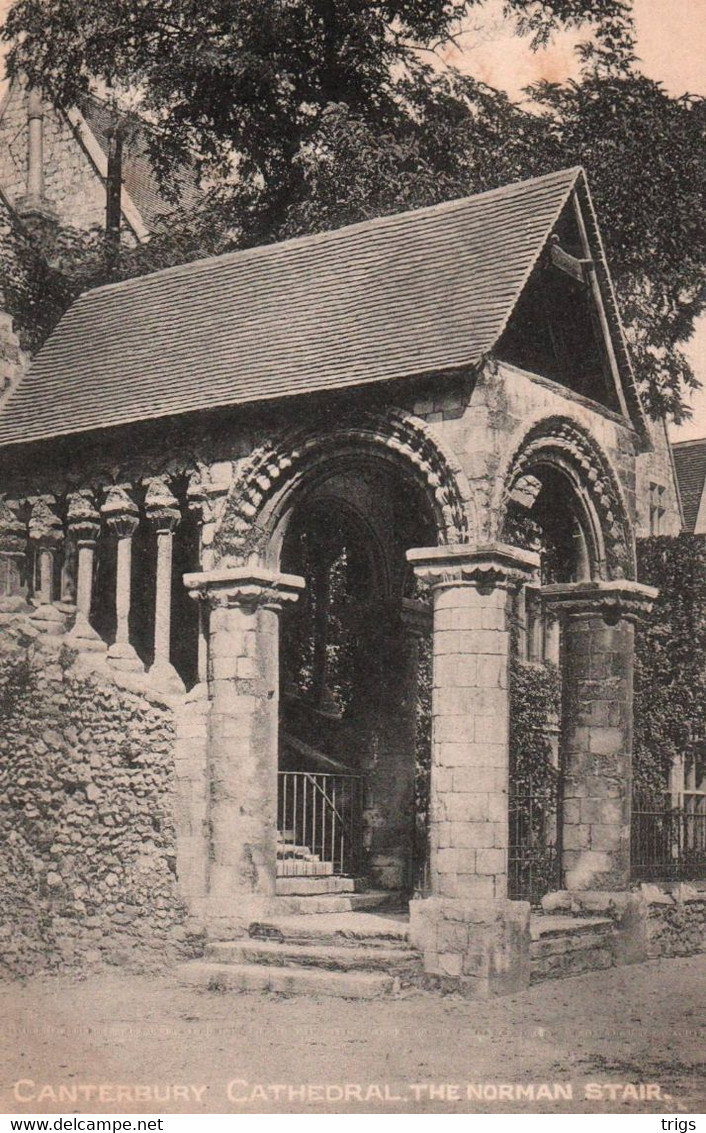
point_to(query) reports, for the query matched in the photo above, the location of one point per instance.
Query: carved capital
(13, 533)
(83, 517)
(487, 567)
(120, 511)
(247, 587)
(45, 528)
(613, 601)
(161, 505)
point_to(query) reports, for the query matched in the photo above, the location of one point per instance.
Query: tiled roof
(139, 176)
(415, 293)
(690, 463)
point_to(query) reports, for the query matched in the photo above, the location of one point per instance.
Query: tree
(329, 114)
(245, 83)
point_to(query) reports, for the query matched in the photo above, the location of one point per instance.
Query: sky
(671, 44)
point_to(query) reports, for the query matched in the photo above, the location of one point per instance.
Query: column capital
(83, 517)
(484, 566)
(161, 506)
(621, 600)
(247, 586)
(120, 511)
(45, 527)
(13, 533)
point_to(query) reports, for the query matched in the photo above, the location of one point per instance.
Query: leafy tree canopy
(323, 112)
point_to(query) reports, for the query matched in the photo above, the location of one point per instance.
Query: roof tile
(414, 293)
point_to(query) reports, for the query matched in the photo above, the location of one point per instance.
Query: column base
(164, 677)
(483, 947)
(231, 918)
(122, 656)
(49, 620)
(84, 638)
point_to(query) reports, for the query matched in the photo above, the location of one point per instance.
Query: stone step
(345, 930)
(296, 867)
(287, 981)
(307, 886)
(567, 945)
(338, 903)
(286, 850)
(365, 957)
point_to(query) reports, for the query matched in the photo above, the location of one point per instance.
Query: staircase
(300, 872)
(351, 955)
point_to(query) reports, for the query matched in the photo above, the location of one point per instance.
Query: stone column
(163, 512)
(470, 714)
(121, 515)
(47, 533)
(597, 651)
(243, 677)
(206, 496)
(84, 527)
(13, 542)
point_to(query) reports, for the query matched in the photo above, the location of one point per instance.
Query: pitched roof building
(55, 162)
(690, 462)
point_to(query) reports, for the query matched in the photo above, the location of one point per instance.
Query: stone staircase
(302, 873)
(566, 945)
(352, 955)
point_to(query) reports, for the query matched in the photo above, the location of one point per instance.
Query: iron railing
(668, 843)
(534, 860)
(321, 815)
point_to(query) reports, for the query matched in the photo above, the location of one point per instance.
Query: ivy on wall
(670, 674)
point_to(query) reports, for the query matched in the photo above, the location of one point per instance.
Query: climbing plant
(670, 677)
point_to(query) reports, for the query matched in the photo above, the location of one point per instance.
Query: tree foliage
(310, 114)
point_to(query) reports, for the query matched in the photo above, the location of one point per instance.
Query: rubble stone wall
(87, 839)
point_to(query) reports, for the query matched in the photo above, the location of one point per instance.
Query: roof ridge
(691, 441)
(388, 220)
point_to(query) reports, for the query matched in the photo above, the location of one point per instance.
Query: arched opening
(348, 673)
(548, 513)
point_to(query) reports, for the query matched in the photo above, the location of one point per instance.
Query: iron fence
(320, 817)
(668, 843)
(534, 860)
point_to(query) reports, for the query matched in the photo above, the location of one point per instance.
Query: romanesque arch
(269, 474)
(562, 444)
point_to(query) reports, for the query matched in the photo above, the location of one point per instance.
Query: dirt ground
(633, 1038)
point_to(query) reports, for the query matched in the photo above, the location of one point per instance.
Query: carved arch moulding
(563, 444)
(394, 434)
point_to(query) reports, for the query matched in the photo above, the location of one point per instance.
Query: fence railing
(668, 843)
(322, 814)
(534, 865)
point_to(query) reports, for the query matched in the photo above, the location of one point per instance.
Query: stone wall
(651, 921)
(87, 783)
(676, 922)
(72, 183)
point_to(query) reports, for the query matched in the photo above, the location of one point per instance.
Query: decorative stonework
(161, 506)
(45, 528)
(487, 567)
(83, 517)
(561, 443)
(120, 511)
(613, 601)
(248, 587)
(396, 432)
(13, 533)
